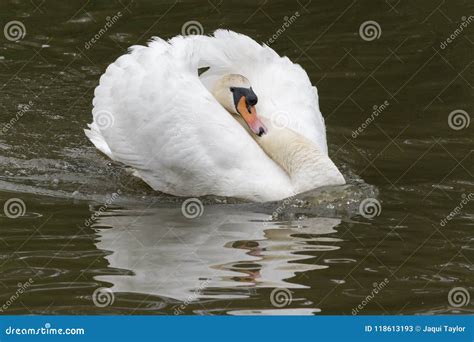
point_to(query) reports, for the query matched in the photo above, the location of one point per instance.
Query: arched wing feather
(286, 95)
(152, 112)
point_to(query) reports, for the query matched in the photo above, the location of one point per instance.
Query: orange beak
(249, 114)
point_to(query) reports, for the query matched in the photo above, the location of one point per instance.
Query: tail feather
(98, 140)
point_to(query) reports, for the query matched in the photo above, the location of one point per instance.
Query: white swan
(191, 135)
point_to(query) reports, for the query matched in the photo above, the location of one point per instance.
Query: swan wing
(286, 96)
(152, 112)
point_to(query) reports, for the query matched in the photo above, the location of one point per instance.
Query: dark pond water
(141, 255)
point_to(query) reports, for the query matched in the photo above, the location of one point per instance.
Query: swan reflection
(224, 253)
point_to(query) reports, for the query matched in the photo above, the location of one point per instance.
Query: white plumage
(154, 113)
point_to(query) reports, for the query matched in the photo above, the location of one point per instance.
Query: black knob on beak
(261, 131)
(251, 98)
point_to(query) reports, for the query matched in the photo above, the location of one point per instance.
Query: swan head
(235, 94)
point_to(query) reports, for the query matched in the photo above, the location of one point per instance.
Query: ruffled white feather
(154, 113)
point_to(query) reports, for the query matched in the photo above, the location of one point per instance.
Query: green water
(323, 258)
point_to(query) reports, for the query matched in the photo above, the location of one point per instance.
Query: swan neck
(306, 165)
